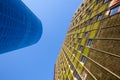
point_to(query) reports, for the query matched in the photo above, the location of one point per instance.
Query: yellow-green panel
(87, 18)
(69, 55)
(61, 74)
(79, 22)
(83, 41)
(75, 40)
(67, 71)
(93, 1)
(95, 7)
(93, 14)
(79, 68)
(96, 25)
(88, 28)
(86, 51)
(83, 29)
(77, 46)
(85, 15)
(72, 43)
(76, 25)
(102, 8)
(75, 35)
(77, 31)
(78, 55)
(82, 21)
(72, 58)
(93, 34)
(72, 50)
(70, 76)
(81, 34)
(75, 61)
(91, 6)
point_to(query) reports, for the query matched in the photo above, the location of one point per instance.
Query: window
(90, 42)
(89, 12)
(115, 10)
(82, 5)
(84, 75)
(106, 1)
(91, 21)
(90, 0)
(77, 76)
(97, 1)
(74, 45)
(80, 17)
(86, 5)
(79, 40)
(86, 34)
(99, 17)
(85, 23)
(80, 26)
(83, 59)
(74, 52)
(81, 48)
(66, 78)
(76, 21)
(72, 68)
(1, 8)
(77, 34)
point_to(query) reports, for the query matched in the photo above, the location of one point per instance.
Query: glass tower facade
(19, 27)
(91, 50)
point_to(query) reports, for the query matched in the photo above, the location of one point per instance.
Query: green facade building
(91, 50)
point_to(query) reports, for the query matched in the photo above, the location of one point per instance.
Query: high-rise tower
(91, 50)
(19, 27)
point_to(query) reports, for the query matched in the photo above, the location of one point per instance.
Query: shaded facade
(19, 27)
(91, 50)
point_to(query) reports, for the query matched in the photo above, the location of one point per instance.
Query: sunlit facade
(19, 27)
(91, 50)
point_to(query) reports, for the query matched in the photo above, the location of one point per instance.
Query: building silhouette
(91, 50)
(19, 27)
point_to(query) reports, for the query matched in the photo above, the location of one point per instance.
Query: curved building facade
(91, 50)
(19, 27)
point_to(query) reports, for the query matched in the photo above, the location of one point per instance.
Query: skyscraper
(91, 50)
(19, 27)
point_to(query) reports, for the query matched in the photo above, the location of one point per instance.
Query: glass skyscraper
(19, 27)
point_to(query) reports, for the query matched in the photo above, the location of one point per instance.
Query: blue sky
(37, 62)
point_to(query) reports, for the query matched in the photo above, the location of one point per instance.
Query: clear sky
(37, 62)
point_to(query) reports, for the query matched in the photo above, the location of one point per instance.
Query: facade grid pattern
(91, 50)
(19, 27)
